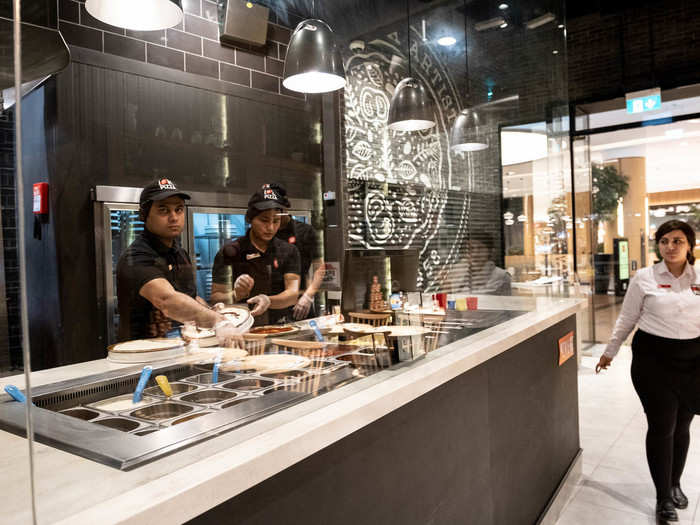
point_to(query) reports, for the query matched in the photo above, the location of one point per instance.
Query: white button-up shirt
(660, 304)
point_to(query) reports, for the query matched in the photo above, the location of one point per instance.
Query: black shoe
(680, 501)
(665, 511)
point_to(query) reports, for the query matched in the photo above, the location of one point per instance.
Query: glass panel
(16, 450)
(633, 195)
(210, 231)
(675, 103)
(388, 228)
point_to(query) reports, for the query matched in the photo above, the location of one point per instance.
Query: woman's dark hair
(671, 225)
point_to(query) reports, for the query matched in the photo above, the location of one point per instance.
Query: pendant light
(467, 133)
(313, 63)
(138, 15)
(411, 108)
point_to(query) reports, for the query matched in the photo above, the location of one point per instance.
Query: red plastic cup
(442, 300)
(472, 303)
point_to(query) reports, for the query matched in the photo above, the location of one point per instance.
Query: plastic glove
(301, 309)
(261, 304)
(227, 334)
(242, 287)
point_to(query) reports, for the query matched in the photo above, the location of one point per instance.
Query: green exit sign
(642, 101)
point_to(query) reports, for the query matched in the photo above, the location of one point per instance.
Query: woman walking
(664, 302)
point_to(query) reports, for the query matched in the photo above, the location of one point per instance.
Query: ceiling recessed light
(502, 7)
(503, 25)
(447, 41)
(561, 26)
(540, 21)
(555, 52)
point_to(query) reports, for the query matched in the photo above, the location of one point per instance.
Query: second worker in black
(259, 267)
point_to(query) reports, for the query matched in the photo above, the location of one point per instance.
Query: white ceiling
(672, 153)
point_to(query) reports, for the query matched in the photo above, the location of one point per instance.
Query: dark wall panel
(488, 447)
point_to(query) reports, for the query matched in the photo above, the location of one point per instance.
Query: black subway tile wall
(10, 348)
(237, 75)
(266, 82)
(162, 56)
(191, 46)
(125, 47)
(81, 36)
(184, 41)
(154, 37)
(201, 66)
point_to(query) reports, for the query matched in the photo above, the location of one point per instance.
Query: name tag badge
(250, 256)
(695, 288)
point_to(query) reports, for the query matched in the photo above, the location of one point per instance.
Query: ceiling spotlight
(490, 23)
(561, 26)
(555, 52)
(540, 21)
(503, 7)
(138, 15)
(503, 25)
(447, 41)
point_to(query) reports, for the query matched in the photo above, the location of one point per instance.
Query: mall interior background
(550, 76)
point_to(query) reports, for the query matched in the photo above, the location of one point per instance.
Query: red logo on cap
(166, 184)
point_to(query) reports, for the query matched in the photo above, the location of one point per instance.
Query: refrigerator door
(210, 229)
(121, 226)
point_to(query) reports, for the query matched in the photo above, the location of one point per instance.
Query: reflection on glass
(211, 231)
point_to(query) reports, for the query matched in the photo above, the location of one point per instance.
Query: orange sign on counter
(566, 347)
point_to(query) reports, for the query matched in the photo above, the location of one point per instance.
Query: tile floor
(616, 487)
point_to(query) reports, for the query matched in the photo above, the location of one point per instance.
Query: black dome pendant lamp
(312, 63)
(467, 133)
(138, 15)
(411, 108)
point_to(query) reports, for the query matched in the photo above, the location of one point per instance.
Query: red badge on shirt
(292, 240)
(695, 288)
(275, 264)
(664, 286)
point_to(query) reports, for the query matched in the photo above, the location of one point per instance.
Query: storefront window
(207, 222)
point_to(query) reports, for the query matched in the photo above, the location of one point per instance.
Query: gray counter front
(491, 446)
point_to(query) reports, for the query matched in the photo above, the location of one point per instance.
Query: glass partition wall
(400, 222)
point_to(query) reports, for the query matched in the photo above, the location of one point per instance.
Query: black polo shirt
(267, 269)
(303, 236)
(145, 259)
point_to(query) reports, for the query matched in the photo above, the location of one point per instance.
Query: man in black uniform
(258, 265)
(155, 277)
(302, 236)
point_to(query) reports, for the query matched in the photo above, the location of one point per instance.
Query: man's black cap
(159, 190)
(268, 197)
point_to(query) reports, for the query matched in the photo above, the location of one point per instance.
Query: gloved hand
(242, 287)
(228, 334)
(301, 309)
(261, 302)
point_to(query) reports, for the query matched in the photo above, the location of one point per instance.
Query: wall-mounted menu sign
(566, 347)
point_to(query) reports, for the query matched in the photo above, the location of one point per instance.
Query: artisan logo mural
(398, 183)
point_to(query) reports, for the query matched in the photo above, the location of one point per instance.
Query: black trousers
(661, 368)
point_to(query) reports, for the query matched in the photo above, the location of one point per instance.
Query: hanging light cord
(408, 34)
(466, 59)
